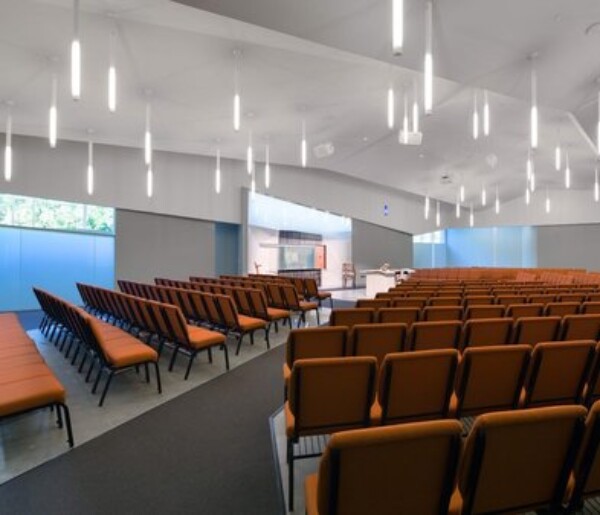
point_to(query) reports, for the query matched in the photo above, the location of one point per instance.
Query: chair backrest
(542, 298)
(483, 332)
(560, 309)
(390, 470)
(478, 300)
(316, 342)
(349, 317)
(410, 302)
(290, 296)
(445, 301)
(331, 394)
(511, 299)
(590, 308)
(516, 311)
(434, 335)
(491, 378)
(276, 295)
(485, 311)
(580, 327)
(373, 303)
(433, 313)
(431, 373)
(520, 460)
(559, 372)
(312, 289)
(587, 466)
(399, 315)
(533, 330)
(377, 340)
(572, 297)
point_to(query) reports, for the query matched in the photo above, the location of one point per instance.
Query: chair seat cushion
(307, 306)
(30, 393)
(201, 338)
(24, 372)
(250, 323)
(127, 351)
(277, 314)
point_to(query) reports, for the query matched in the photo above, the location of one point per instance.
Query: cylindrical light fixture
(150, 181)
(475, 117)
(457, 207)
(486, 114)
(557, 158)
(483, 196)
(303, 146)
(112, 74)
(596, 186)
(534, 122)
(547, 202)
(76, 55)
(427, 207)
(148, 137)
(527, 195)
(404, 132)
(437, 215)
(471, 217)
(53, 113)
(237, 108)
(8, 161)
(218, 172)
(415, 108)
(267, 167)
(497, 207)
(567, 172)
(397, 26)
(90, 169)
(428, 67)
(249, 155)
(390, 108)
(462, 193)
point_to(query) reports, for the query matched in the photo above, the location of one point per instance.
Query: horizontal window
(38, 213)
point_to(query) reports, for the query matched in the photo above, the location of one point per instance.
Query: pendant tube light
(483, 196)
(427, 207)
(596, 186)
(415, 108)
(397, 26)
(76, 55)
(486, 114)
(253, 184)
(303, 147)
(404, 138)
(534, 122)
(457, 207)
(237, 108)
(90, 168)
(471, 217)
(428, 65)
(497, 206)
(532, 182)
(150, 181)
(148, 136)
(437, 215)
(527, 196)
(267, 167)
(249, 155)
(547, 202)
(557, 158)
(53, 113)
(218, 172)
(8, 163)
(462, 192)
(598, 128)
(475, 117)
(567, 172)
(112, 74)
(390, 108)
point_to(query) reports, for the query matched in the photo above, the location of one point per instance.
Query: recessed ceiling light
(365, 138)
(421, 155)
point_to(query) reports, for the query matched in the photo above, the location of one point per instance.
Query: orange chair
(406, 316)
(434, 335)
(373, 303)
(533, 330)
(438, 313)
(387, 470)
(485, 311)
(445, 301)
(516, 311)
(580, 327)
(561, 309)
(486, 332)
(349, 317)
(377, 340)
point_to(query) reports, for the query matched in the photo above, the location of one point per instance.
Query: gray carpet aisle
(206, 452)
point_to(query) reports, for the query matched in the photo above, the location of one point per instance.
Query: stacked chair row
(543, 459)
(421, 299)
(474, 332)
(26, 382)
(157, 323)
(114, 350)
(280, 295)
(216, 312)
(327, 395)
(441, 312)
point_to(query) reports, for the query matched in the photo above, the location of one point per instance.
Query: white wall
(184, 185)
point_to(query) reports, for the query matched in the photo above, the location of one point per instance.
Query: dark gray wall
(150, 245)
(227, 249)
(571, 246)
(373, 245)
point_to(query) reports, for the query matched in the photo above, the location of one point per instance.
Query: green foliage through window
(53, 214)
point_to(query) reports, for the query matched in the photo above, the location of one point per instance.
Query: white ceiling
(326, 61)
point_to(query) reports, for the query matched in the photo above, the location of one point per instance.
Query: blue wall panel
(52, 260)
(227, 249)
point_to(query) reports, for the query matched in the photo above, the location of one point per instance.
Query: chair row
(478, 331)
(159, 324)
(114, 350)
(26, 382)
(422, 299)
(328, 395)
(540, 459)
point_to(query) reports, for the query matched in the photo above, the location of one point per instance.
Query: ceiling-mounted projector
(324, 150)
(410, 138)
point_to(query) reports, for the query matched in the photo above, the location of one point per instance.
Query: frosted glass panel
(52, 260)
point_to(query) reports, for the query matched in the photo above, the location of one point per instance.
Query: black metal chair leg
(226, 351)
(239, 344)
(97, 381)
(318, 318)
(331, 302)
(67, 423)
(147, 372)
(59, 421)
(173, 357)
(110, 376)
(83, 360)
(189, 367)
(267, 337)
(209, 351)
(158, 377)
(89, 372)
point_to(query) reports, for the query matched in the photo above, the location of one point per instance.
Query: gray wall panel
(572, 246)
(150, 245)
(373, 245)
